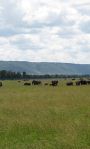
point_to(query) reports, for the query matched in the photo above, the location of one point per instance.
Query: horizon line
(44, 62)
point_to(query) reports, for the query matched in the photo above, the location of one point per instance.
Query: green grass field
(44, 117)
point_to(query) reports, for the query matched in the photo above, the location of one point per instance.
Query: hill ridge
(45, 67)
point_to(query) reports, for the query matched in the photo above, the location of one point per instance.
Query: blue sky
(45, 30)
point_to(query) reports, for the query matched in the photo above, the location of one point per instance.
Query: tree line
(4, 74)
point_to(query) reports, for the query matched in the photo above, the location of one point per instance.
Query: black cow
(54, 83)
(88, 82)
(1, 84)
(69, 83)
(35, 82)
(27, 84)
(82, 82)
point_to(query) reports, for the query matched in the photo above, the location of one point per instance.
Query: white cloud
(39, 30)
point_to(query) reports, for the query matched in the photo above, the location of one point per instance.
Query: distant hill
(45, 67)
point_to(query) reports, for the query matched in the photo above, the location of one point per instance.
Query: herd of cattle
(55, 83)
(80, 82)
(36, 82)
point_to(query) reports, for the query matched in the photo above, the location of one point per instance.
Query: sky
(45, 30)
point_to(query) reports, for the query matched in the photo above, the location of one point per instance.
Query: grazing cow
(82, 82)
(69, 83)
(88, 82)
(27, 84)
(0, 84)
(54, 83)
(35, 82)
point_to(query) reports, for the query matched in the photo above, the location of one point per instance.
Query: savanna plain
(44, 117)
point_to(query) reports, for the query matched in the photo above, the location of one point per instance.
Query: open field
(44, 117)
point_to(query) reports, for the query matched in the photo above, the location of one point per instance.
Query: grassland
(44, 117)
